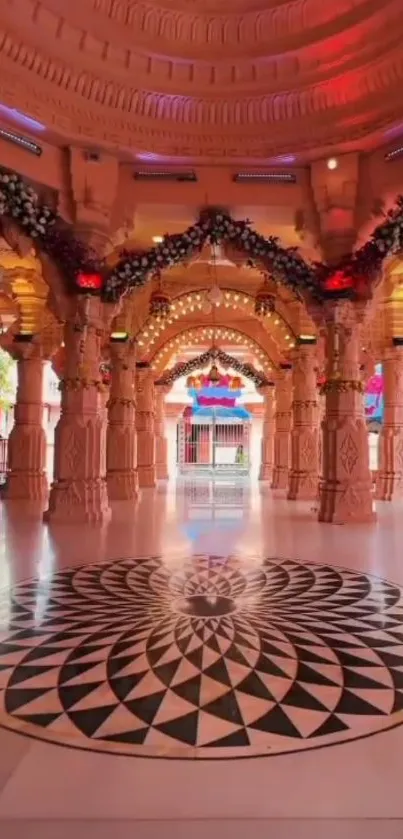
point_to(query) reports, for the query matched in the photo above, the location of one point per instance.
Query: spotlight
(332, 163)
(158, 239)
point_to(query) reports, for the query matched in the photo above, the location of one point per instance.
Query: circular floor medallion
(205, 606)
(211, 657)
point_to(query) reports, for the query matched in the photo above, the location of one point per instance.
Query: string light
(231, 299)
(199, 335)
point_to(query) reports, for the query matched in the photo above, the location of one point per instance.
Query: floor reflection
(212, 510)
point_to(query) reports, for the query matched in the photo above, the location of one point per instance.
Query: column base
(122, 486)
(146, 476)
(346, 505)
(389, 486)
(78, 501)
(265, 472)
(26, 486)
(303, 486)
(161, 473)
(281, 478)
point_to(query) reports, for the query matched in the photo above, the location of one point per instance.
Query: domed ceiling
(206, 79)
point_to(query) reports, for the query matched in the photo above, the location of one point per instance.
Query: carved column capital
(94, 182)
(335, 193)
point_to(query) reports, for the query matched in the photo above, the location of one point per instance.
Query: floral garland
(286, 265)
(185, 368)
(352, 276)
(20, 203)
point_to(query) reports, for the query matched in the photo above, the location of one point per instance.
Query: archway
(214, 426)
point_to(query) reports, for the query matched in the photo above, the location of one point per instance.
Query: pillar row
(282, 428)
(145, 426)
(266, 465)
(121, 449)
(27, 479)
(303, 483)
(79, 492)
(389, 482)
(161, 443)
(346, 487)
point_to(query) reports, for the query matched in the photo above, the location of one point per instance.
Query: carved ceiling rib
(176, 78)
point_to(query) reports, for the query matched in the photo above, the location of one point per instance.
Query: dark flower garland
(286, 265)
(185, 368)
(352, 276)
(20, 203)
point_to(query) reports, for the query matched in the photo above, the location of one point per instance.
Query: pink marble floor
(350, 789)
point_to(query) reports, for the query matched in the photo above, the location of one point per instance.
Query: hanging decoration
(265, 300)
(186, 368)
(352, 276)
(160, 303)
(207, 307)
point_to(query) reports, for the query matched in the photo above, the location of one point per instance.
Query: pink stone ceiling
(205, 79)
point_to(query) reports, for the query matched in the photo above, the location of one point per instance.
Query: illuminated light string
(207, 334)
(193, 301)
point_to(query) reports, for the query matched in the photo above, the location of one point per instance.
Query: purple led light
(284, 158)
(21, 119)
(149, 157)
(394, 131)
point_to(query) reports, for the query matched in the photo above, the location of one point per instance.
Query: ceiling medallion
(265, 300)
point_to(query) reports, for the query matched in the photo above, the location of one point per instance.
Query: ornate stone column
(27, 479)
(389, 481)
(346, 487)
(161, 443)
(304, 436)
(145, 419)
(266, 464)
(79, 490)
(121, 445)
(321, 416)
(282, 430)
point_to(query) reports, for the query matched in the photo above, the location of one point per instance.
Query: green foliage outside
(6, 381)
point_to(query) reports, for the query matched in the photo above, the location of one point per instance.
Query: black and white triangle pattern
(203, 657)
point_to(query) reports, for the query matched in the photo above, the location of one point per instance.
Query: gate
(213, 446)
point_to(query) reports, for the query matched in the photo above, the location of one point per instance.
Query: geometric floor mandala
(204, 657)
